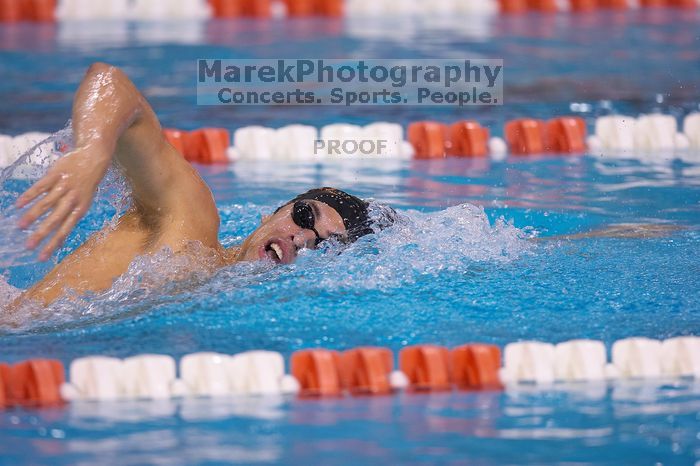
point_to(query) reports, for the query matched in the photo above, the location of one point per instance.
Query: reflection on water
(649, 63)
(629, 420)
(448, 275)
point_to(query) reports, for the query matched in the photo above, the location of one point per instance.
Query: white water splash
(454, 240)
(112, 194)
(426, 244)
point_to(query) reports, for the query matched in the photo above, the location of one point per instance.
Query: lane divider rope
(654, 136)
(50, 10)
(363, 371)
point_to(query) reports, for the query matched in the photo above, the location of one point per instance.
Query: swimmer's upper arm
(162, 181)
(113, 122)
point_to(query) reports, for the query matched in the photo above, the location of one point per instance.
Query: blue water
(448, 273)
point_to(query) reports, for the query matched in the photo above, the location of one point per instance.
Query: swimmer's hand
(65, 193)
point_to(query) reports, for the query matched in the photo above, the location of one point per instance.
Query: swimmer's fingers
(69, 222)
(41, 206)
(50, 223)
(37, 189)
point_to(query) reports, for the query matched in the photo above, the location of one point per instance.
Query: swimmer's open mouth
(275, 251)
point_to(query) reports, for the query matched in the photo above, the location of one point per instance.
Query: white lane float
(340, 132)
(92, 9)
(615, 133)
(393, 136)
(95, 378)
(169, 9)
(580, 361)
(649, 134)
(205, 374)
(381, 140)
(419, 7)
(303, 143)
(655, 132)
(132, 9)
(528, 362)
(260, 373)
(680, 357)
(294, 142)
(691, 129)
(149, 376)
(253, 143)
(636, 358)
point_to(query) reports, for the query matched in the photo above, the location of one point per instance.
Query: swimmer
(171, 206)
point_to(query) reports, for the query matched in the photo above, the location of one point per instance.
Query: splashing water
(425, 244)
(111, 199)
(416, 246)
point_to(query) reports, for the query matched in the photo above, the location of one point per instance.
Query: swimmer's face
(279, 238)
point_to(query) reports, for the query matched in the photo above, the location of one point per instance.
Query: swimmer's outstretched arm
(112, 121)
(621, 231)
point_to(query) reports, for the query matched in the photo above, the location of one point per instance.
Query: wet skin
(171, 206)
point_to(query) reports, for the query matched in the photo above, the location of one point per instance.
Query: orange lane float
(226, 8)
(11, 11)
(206, 145)
(41, 10)
(426, 366)
(468, 139)
(317, 371)
(4, 370)
(513, 6)
(238, 8)
(668, 3)
(300, 8)
(475, 367)
(614, 4)
(263, 8)
(683, 3)
(297, 8)
(330, 8)
(525, 136)
(36, 382)
(27, 10)
(546, 6)
(257, 8)
(584, 5)
(365, 371)
(428, 138)
(565, 135)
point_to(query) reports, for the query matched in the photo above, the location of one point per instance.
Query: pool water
(468, 261)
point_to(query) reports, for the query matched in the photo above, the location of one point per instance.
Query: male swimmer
(171, 205)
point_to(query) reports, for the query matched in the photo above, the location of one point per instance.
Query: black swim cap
(353, 210)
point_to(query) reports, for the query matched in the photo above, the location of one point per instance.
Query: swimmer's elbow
(108, 92)
(99, 70)
(99, 67)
